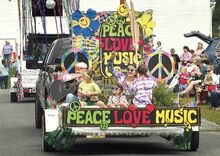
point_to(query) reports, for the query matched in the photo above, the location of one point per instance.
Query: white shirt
(215, 79)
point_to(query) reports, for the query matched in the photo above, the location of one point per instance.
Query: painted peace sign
(120, 20)
(69, 59)
(75, 106)
(111, 20)
(104, 126)
(161, 65)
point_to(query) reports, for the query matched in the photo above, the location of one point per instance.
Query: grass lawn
(209, 114)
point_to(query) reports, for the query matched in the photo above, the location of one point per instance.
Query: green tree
(216, 19)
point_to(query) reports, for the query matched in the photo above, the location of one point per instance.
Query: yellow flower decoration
(146, 23)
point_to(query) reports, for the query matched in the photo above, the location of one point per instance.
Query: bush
(163, 96)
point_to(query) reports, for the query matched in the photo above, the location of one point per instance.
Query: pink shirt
(186, 56)
(183, 78)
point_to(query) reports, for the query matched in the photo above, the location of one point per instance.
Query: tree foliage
(216, 19)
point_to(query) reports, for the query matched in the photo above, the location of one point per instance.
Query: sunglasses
(208, 70)
(131, 70)
(115, 88)
(81, 68)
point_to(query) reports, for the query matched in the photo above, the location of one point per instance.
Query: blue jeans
(7, 58)
(1, 82)
(70, 97)
(182, 87)
(4, 80)
(215, 99)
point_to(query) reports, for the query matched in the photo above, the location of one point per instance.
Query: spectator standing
(186, 56)
(1, 78)
(16, 66)
(159, 46)
(199, 50)
(214, 99)
(5, 73)
(7, 51)
(176, 59)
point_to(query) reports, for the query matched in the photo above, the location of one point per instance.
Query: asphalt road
(18, 137)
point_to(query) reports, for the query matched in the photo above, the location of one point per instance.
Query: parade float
(95, 37)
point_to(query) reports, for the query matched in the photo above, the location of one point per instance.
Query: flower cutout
(146, 23)
(86, 23)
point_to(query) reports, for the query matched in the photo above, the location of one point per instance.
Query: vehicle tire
(13, 97)
(38, 113)
(46, 146)
(194, 141)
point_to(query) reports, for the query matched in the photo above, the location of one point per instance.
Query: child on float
(117, 99)
(143, 87)
(89, 91)
(183, 82)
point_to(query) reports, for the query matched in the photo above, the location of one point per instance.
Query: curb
(209, 126)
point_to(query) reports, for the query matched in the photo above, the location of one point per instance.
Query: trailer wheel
(38, 113)
(194, 141)
(46, 146)
(13, 97)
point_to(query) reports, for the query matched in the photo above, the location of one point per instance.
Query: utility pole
(122, 1)
(219, 31)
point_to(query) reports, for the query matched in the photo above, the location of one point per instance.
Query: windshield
(57, 52)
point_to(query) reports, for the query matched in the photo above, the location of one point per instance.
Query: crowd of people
(196, 74)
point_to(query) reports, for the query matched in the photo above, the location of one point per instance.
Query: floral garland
(61, 138)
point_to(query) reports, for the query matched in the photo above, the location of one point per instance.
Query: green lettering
(88, 118)
(105, 117)
(70, 116)
(80, 119)
(128, 30)
(105, 29)
(112, 31)
(121, 31)
(95, 116)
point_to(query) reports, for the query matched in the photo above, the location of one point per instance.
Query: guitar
(60, 89)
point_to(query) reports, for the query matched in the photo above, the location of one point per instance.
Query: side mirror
(34, 64)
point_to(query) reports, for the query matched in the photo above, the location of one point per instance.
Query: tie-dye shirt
(143, 87)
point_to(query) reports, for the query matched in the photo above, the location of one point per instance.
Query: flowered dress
(117, 99)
